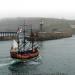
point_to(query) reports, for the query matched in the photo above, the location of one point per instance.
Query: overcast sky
(37, 8)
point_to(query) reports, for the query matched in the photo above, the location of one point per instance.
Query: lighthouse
(41, 25)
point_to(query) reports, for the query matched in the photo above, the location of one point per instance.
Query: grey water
(57, 57)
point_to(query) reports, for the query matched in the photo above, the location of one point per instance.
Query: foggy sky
(37, 8)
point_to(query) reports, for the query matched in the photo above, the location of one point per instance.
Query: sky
(63, 9)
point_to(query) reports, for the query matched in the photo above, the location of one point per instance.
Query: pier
(53, 35)
(7, 35)
(41, 35)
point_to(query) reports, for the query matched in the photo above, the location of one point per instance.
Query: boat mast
(24, 42)
(32, 39)
(18, 37)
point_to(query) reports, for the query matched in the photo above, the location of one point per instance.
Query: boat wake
(6, 64)
(35, 62)
(11, 62)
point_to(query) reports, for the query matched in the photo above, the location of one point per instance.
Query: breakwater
(41, 35)
(53, 35)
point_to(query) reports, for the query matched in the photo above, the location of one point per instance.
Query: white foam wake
(5, 64)
(35, 62)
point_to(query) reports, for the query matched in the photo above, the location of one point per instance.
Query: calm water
(57, 57)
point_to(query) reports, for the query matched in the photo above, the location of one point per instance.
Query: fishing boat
(25, 47)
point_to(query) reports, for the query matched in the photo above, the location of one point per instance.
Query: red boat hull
(16, 55)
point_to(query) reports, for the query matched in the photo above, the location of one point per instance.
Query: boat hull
(24, 56)
(25, 60)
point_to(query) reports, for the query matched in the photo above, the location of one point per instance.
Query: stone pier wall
(42, 36)
(4, 38)
(53, 35)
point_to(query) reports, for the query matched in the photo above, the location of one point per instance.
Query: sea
(56, 57)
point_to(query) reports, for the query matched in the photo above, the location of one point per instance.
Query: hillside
(50, 24)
